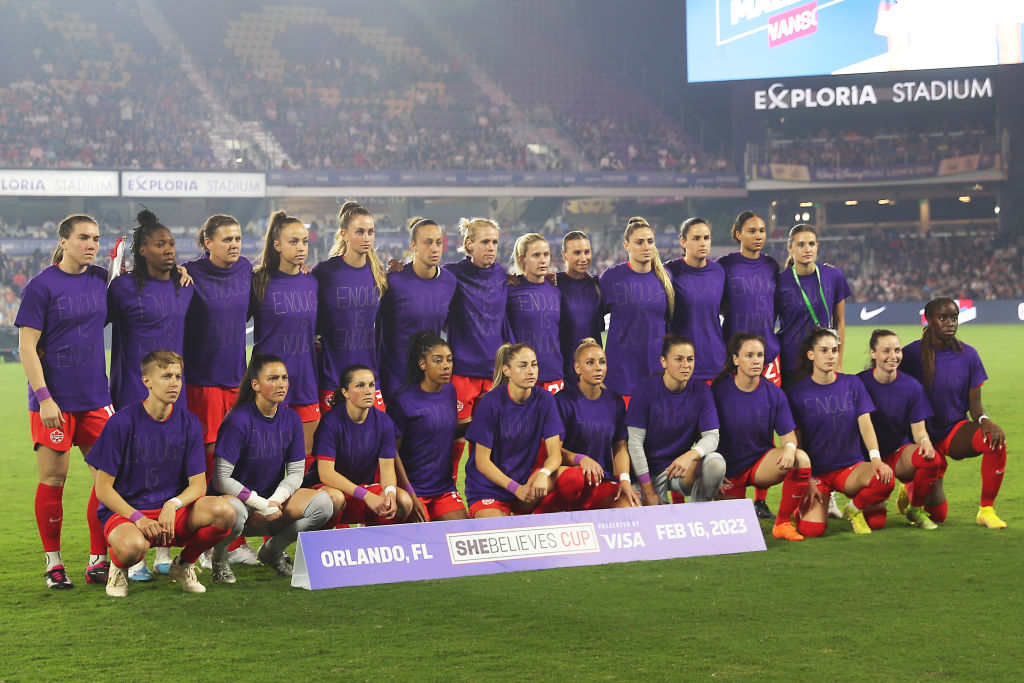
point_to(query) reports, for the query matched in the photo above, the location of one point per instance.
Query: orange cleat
(787, 532)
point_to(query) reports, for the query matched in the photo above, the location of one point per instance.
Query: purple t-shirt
(410, 304)
(592, 427)
(826, 415)
(949, 393)
(514, 432)
(477, 325)
(750, 421)
(215, 324)
(285, 326)
(347, 309)
(699, 294)
(581, 317)
(898, 405)
(354, 448)
(674, 420)
(259, 446)
(70, 312)
(794, 319)
(426, 424)
(151, 461)
(750, 299)
(639, 313)
(533, 313)
(141, 321)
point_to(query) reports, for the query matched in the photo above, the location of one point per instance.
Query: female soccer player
(510, 422)
(595, 432)
(952, 375)
(831, 409)
(901, 409)
(60, 342)
(672, 430)
(351, 284)
(283, 307)
(352, 443)
(534, 307)
(426, 422)
(151, 479)
(639, 296)
(751, 412)
(699, 288)
(807, 296)
(417, 298)
(582, 317)
(257, 443)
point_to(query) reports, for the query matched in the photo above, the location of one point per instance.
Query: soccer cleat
(117, 582)
(987, 517)
(761, 510)
(57, 578)
(279, 563)
(856, 517)
(222, 571)
(243, 554)
(162, 562)
(185, 574)
(97, 573)
(138, 572)
(902, 498)
(205, 560)
(787, 532)
(833, 507)
(919, 518)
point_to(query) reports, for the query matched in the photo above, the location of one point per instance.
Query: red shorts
(181, 532)
(81, 428)
(600, 496)
(437, 506)
(467, 391)
(773, 372)
(307, 413)
(357, 511)
(210, 405)
(489, 504)
(327, 402)
(554, 386)
(942, 448)
(835, 480)
(736, 486)
(894, 458)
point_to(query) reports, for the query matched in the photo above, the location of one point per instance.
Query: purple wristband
(644, 478)
(136, 516)
(409, 489)
(360, 492)
(578, 458)
(512, 487)
(244, 494)
(42, 393)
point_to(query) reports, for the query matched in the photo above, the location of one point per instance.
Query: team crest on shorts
(459, 406)
(487, 501)
(330, 400)
(56, 436)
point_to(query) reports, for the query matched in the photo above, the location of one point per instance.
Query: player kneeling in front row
(256, 443)
(150, 480)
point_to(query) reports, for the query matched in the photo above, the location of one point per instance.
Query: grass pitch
(902, 604)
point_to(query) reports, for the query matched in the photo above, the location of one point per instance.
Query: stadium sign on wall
(440, 550)
(181, 185)
(27, 183)
(778, 96)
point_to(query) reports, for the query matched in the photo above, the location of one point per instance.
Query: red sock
(874, 492)
(937, 512)
(993, 464)
(794, 486)
(811, 529)
(457, 448)
(760, 494)
(875, 517)
(202, 540)
(925, 476)
(566, 494)
(97, 542)
(49, 515)
(119, 563)
(237, 543)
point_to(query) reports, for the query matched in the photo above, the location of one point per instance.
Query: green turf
(900, 604)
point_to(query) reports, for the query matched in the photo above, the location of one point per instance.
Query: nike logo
(54, 521)
(865, 314)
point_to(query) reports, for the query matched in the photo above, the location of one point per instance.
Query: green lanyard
(821, 291)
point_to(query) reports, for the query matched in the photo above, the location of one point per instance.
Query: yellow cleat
(856, 517)
(919, 518)
(987, 517)
(902, 497)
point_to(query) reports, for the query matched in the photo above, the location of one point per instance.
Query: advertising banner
(186, 184)
(864, 174)
(29, 183)
(327, 178)
(990, 312)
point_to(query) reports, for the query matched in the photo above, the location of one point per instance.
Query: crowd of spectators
(624, 144)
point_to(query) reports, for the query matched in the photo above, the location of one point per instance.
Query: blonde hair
(468, 228)
(348, 211)
(586, 344)
(636, 223)
(519, 251)
(502, 358)
(417, 222)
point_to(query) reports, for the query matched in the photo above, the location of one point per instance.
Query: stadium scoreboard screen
(749, 39)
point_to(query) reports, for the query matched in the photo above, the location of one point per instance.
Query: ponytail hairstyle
(148, 224)
(585, 343)
(873, 342)
(468, 228)
(684, 229)
(417, 222)
(211, 226)
(634, 224)
(246, 394)
(736, 342)
(572, 236)
(737, 226)
(66, 227)
(672, 340)
(270, 260)
(338, 398)
(348, 211)
(806, 367)
(796, 230)
(506, 352)
(420, 344)
(928, 340)
(523, 242)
